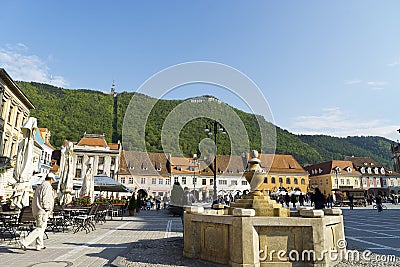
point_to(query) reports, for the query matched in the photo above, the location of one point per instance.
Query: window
(327, 181)
(101, 160)
(130, 180)
(233, 182)
(265, 180)
(211, 181)
(10, 114)
(295, 181)
(244, 182)
(99, 171)
(79, 160)
(364, 181)
(272, 180)
(342, 181)
(153, 180)
(222, 182)
(303, 181)
(160, 181)
(348, 181)
(183, 180)
(203, 181)
(320, 181)
(176, 180)
(356, 182)
(142, 180)
(168, 181)
(287, 180)
(112, 161)
(336, 181)
(78, 173)
(280, 180)
(122, 180)
(194, 180)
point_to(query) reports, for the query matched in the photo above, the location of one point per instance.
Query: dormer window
(337, 169)
(144, 167)
(369, 170)
(382, 170)
(362, 170)
(372, 164)
(365, 163)
(319, 170)
(376, 170)
(348, 169)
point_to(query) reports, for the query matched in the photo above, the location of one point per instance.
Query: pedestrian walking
(318, 199)
(329, 201)
(293, 199)
(287, 199)
(378, 201)
(301, 199)
(42, 207)
(351, 201)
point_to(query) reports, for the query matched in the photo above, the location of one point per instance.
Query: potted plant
(132, 205)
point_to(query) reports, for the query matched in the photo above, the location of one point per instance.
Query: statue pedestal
(262, 205)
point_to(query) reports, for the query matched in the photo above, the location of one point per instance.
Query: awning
(101, 183)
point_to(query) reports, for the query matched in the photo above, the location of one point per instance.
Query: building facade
(15, 112)
(106, 157)
(376, 178)
(332, 175)
(148, 171)
(396, 157)
(283, 171)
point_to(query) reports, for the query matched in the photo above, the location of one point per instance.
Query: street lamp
(210, 131)
(195, 163)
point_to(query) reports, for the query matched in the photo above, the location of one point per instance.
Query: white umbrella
(296, 192)
(87, 188)
(23, 170)
(65, 185)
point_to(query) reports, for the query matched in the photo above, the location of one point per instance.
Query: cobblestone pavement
(153, 238)
(97, 248)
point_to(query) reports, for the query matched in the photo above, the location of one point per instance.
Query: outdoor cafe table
(9, 220)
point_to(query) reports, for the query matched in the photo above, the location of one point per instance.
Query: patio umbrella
(23, 170)
(65, 184)
(104, 183)
(87, 188)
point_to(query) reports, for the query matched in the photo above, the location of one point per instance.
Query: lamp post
(195, 162)
(210, 132)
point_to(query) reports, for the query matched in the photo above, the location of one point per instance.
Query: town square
(199, 134)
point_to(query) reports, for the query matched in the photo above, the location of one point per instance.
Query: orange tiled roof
(92, 141)
(113, 146)
(181, 165)
(329, 167)
(279, 163)
(47, 143)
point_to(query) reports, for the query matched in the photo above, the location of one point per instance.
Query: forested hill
(69, 113)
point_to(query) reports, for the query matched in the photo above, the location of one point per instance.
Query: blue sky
(324, 67)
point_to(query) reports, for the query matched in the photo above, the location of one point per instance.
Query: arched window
(280, 180)
(273, 180)
(295, 181)
(287, 180)
(303, 181)
(266, 180)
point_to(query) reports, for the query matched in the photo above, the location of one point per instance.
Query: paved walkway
(97, 248)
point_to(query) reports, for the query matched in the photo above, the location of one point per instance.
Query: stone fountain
(257, 231)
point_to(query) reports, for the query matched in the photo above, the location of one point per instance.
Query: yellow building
(335, 174)
(284, 171)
